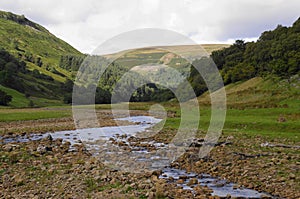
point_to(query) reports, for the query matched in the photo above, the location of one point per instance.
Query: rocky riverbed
(48, 168)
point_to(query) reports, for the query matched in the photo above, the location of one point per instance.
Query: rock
(113, 181)
(220, 184)
(292, 176)
(103, 177)
(19, 179)
(154, 178)
(160, 190)
(10, 147)
(264, 196)
(157, 172)
(49, 137)
(281, 119)
(251, 186)
(151, 195)
(171, 178)
(282, 179)
(214, 169)
(133, 185)
(43, 149)
(183, 177)
(192, 181)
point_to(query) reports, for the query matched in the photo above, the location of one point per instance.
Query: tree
(68, 86)
(275, 53)
(31, 104)
(5, 98)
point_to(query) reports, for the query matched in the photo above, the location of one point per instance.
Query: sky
(85, 24)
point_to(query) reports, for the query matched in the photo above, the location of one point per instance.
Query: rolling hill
(160, 54)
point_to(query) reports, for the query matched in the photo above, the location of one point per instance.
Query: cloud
(87, 23)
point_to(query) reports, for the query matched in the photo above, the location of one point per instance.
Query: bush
(4, 98)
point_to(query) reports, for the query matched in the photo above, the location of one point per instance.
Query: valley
(43, 153)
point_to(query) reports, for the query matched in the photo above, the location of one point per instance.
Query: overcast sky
(85, 24)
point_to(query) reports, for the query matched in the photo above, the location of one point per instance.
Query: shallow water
(25, 138)
(220, 187)
(93, 134)
(104, 133)
(99, 142)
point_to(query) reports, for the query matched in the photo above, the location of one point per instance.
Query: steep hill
(34, 44)
(27, 88)
(30, 59)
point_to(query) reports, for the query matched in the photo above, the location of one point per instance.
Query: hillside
(260, 93)
(30, 59)
(160, 54)
(34, 44)
(26, 87)
(275, 55)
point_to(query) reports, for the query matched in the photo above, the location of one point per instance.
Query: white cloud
(87, 23)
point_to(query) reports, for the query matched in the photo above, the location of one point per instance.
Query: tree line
(275, 53)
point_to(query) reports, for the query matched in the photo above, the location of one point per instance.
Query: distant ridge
(22, 20)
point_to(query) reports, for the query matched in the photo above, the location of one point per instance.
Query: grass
(43, 102)
(253, 122)
(7, 115)
(91, 184)
(19, 100)
(56, 77)
(110, 186)
(251, 112)
(263, 122)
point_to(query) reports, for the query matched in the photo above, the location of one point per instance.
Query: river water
(116, 146)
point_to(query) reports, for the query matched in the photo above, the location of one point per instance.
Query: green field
(7, 115)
